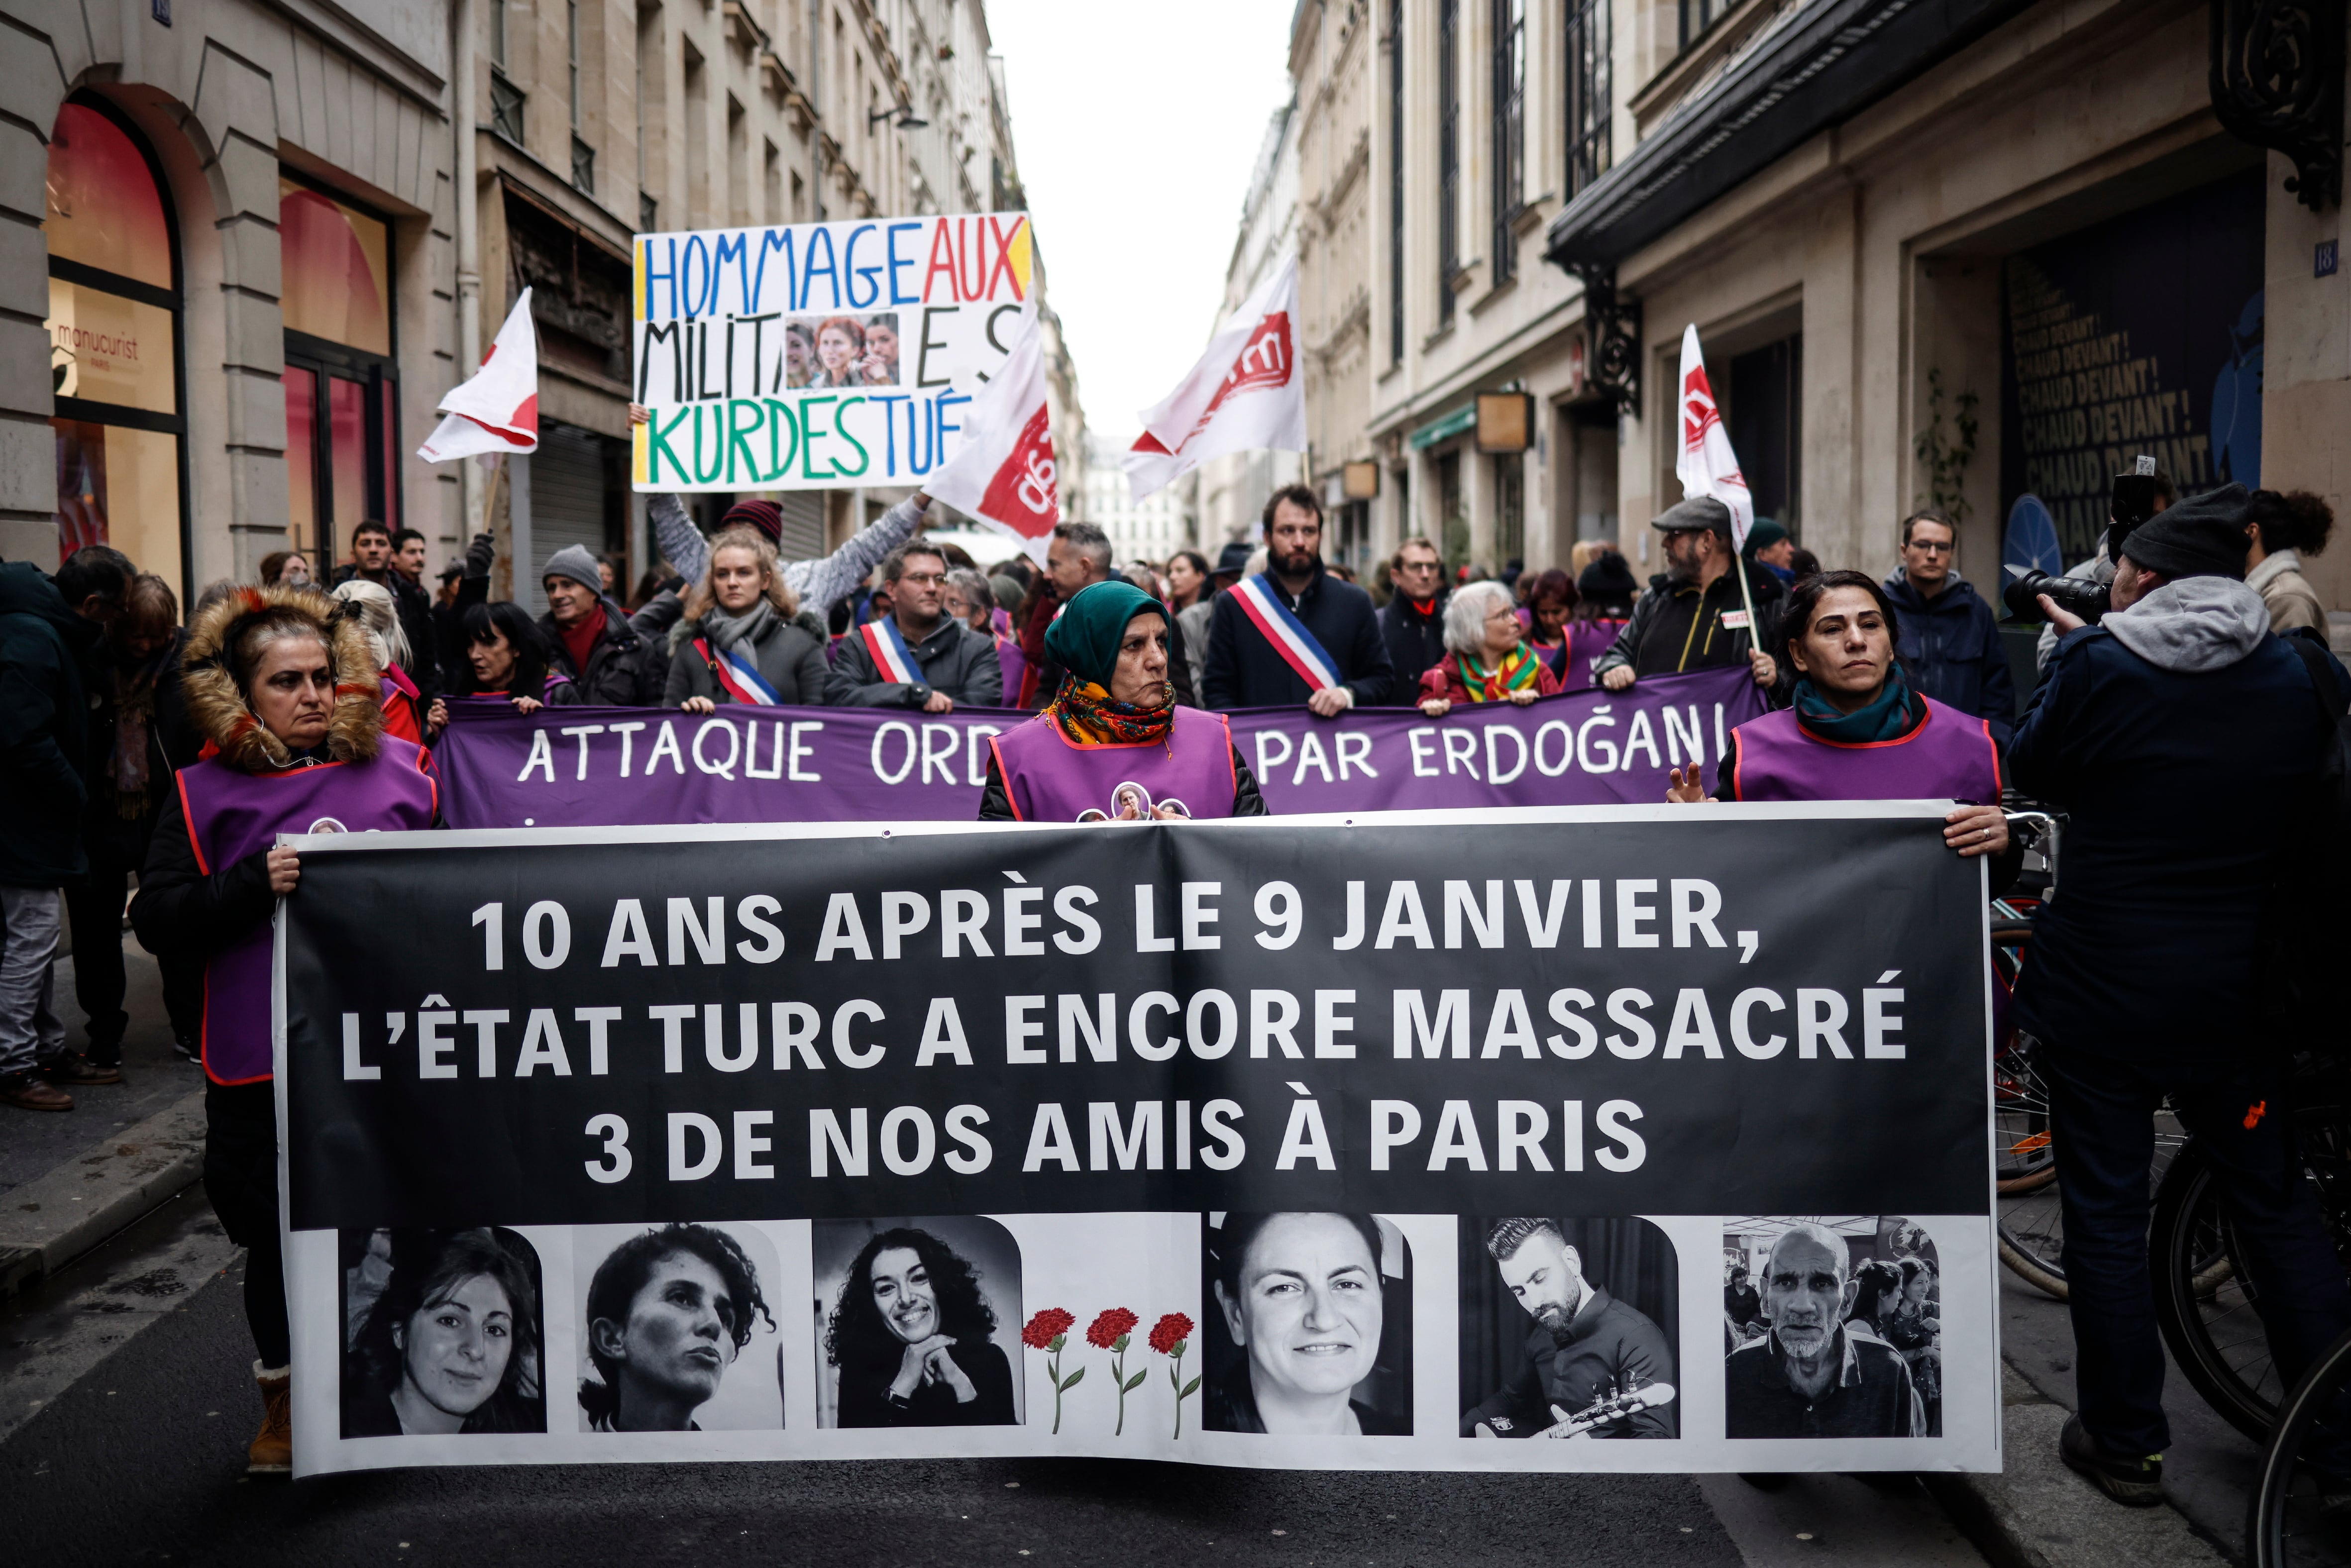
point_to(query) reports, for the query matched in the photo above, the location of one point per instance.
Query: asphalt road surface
(128, 1400)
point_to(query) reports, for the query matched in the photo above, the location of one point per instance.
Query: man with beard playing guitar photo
(1586, 1349)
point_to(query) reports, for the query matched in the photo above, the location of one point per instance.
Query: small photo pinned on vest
(1131, 794)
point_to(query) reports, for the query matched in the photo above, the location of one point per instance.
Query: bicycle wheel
(2031, 1233)
(2297, 1518)
(2205, 1304)
(2023, 1159)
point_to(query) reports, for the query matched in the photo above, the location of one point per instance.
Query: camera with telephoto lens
(2132, 503)
(2075, 595)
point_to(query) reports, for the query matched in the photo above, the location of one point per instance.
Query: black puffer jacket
(625, 669)
(44, 729)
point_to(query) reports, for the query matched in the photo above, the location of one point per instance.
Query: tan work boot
(272, 1450)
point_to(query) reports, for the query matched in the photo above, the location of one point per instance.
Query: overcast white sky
(1136, 123)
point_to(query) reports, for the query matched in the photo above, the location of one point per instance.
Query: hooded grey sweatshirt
(2193, 625)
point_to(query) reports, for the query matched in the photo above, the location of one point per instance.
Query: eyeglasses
(1420, 566)
(1933, 547)
(923, 579)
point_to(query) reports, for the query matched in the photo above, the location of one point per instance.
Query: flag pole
(1746, 595)
(490, 491)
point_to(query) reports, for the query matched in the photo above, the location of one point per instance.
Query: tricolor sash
(738, 675)
(1261, 602)
(893, 661)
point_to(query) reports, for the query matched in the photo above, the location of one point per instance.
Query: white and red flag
(496, 410)
(1247, 393)
(1707, 466)
(1004, 473)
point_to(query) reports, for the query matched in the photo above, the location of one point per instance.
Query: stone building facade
(253, 250)
(1977, 255)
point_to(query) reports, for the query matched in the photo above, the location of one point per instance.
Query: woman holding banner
(741, 640)
(1487, 657)
(287, 694)
(1113, 745)
(1857, 731)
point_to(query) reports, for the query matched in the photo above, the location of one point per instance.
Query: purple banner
(608, 767)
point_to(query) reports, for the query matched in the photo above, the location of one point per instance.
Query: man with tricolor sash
(916, 656)
(1293, 633)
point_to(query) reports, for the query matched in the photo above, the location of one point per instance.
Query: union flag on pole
(498, 410)
(1246, 394)
(1004, 475)
(1707, 466)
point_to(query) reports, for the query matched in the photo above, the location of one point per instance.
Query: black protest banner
(1678, 1014)
(1296, 1141)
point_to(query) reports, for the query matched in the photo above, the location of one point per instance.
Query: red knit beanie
(764, 516)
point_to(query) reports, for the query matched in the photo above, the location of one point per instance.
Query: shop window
(114, 344)
(341, 388)
(1587, 116)
(1765, 416)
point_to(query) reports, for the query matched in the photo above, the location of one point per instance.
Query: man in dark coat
(49, 630)
(1950, 643)
(1412, 623)
(955, 666)
(606, 657)
(1696, 619)
(383, 557)
(2185, 739)
(1243, 669)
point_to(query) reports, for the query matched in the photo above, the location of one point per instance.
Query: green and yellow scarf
(1518, 673)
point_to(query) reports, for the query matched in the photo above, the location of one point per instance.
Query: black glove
(674, 585)
(479, 554)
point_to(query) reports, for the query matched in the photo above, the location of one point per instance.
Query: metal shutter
(803, 537)
(567, 498)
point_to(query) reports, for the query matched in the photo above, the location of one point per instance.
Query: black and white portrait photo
(918, 1322)
(676, 1331)
(1567, 1328)
(1841, 1330)
(1308, 1325)
(442, 1333)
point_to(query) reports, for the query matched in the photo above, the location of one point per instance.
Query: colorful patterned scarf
(1086, 713)
(1514, 673)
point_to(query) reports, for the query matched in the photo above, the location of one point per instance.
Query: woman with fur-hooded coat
(286, 692)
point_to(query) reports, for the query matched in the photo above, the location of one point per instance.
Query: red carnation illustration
(1114, 1324)
(1046, 1327)
(1110, 1331)
(1049, 1331)
(1170, 1336)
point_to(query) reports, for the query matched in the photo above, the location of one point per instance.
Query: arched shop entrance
(114, 331)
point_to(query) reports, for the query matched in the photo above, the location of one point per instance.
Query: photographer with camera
(2179, 734)
(2133, 504)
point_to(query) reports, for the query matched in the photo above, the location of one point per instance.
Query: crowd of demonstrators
(918, 656)
(284, 689)
(1412, 623)
(1487, 655)
(1293, 633)
(1951, 638)
(743, 638)
(1077, 557)
(50, 631)
(2163, 732)
(1114, 744)
(971, 598)
(1192, 620)
(1696, 617)
(2282, 530)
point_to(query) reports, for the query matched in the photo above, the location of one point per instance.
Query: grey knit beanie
(574, 562)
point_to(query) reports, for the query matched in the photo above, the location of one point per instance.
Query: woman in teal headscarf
(1113, 745)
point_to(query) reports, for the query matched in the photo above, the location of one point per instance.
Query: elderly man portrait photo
(1584, 1343)
(1814, 1374)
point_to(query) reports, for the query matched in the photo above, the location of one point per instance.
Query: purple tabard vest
(1586, 640)
(1947, 757)
(1015, 666)
(1049, 780)
(230, 815)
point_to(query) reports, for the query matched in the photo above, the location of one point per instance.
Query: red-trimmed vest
(1048, 779)
(231, 813)
(1945, 755)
